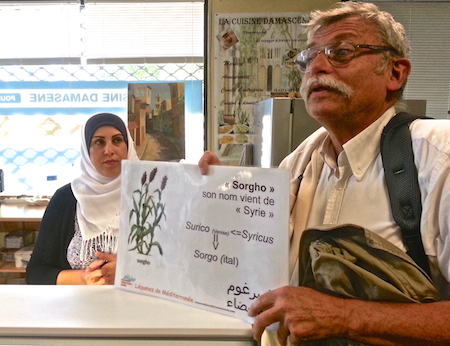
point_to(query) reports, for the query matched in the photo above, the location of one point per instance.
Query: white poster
(214, 242)
(253, 61)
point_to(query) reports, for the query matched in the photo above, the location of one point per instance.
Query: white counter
(90, 315)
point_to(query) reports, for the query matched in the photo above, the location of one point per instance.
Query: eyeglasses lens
(338, 53)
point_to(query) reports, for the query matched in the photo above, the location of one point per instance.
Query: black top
(57, 229)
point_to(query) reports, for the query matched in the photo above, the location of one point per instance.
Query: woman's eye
(99, 143)
(118, 140)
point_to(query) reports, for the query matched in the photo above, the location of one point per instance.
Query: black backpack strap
(403, 186)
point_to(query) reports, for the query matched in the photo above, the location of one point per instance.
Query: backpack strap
(402, 183)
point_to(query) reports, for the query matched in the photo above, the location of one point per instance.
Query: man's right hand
(206, 160)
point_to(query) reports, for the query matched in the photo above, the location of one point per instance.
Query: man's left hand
(303, 314)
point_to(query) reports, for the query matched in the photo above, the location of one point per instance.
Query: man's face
(366, 90)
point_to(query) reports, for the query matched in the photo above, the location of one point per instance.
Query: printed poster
(253, 61)
(215, 242)
(40, 125)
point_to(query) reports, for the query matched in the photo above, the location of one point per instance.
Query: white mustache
(326, 81)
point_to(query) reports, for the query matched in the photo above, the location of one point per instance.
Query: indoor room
(219, 178)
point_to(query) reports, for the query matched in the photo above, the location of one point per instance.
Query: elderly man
(355, 69)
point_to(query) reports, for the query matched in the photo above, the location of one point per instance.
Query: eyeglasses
(337, 53)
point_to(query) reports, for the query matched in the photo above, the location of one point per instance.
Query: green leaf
(131, 214)
(158, 246)
(132, 233)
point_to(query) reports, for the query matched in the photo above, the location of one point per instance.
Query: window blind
(97, 32)
(39, 33)
(148, 32)
(428, 29)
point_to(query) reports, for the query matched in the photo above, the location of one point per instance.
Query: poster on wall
(214, 242)
(156, 119)
(40, 126)
(253, 61)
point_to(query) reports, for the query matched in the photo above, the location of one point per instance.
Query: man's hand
(206, 160)
(303, 314)
(101, 271)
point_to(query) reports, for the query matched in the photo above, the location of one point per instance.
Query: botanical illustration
(148, 211)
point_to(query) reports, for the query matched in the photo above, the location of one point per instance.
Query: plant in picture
(241, 127)
(294, 76)
(148, 211)
(242, 122)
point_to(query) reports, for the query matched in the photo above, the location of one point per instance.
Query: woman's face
(107, 150)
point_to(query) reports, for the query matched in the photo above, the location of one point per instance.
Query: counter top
(21, 212)
(107, 312)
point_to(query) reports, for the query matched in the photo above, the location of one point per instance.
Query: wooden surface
(10, 267)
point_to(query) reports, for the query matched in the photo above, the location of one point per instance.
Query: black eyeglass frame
(304, 66)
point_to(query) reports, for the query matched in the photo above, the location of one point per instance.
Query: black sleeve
(57, 228)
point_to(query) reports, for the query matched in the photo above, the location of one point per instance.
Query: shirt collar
(361, 150)
(364, 148)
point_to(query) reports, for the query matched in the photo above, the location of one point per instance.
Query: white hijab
(98, 201)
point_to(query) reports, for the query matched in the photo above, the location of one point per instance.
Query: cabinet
(15, 217)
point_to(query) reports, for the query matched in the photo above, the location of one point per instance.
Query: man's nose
(320, 64)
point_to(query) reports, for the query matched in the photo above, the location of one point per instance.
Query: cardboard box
(19, 239)
(8, 254)
(22, 256)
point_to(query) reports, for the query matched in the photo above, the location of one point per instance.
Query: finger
(91, 278)
(282, 333)
(97, 281)
(203, 163)
(96, 264)
(109, 257)
(109, 272)
(206, 160)
(93, 274)
(263, 303)
(262, 321)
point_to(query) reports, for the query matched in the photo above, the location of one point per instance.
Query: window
(149, 32)
(76, 52)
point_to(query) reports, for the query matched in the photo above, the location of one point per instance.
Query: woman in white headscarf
(77, 239)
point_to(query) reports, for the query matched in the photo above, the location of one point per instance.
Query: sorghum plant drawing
(148, 210)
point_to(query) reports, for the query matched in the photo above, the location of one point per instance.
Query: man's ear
(400, 70)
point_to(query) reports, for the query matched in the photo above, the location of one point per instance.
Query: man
(354, 72)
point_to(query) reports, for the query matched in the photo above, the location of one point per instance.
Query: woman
(77, 240)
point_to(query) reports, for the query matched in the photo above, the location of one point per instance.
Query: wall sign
(252, 62)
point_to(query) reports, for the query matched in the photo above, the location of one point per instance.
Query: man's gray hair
(390, 32)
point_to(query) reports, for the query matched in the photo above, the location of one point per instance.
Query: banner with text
(40, 126)
(253, 61)
(215, 242)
